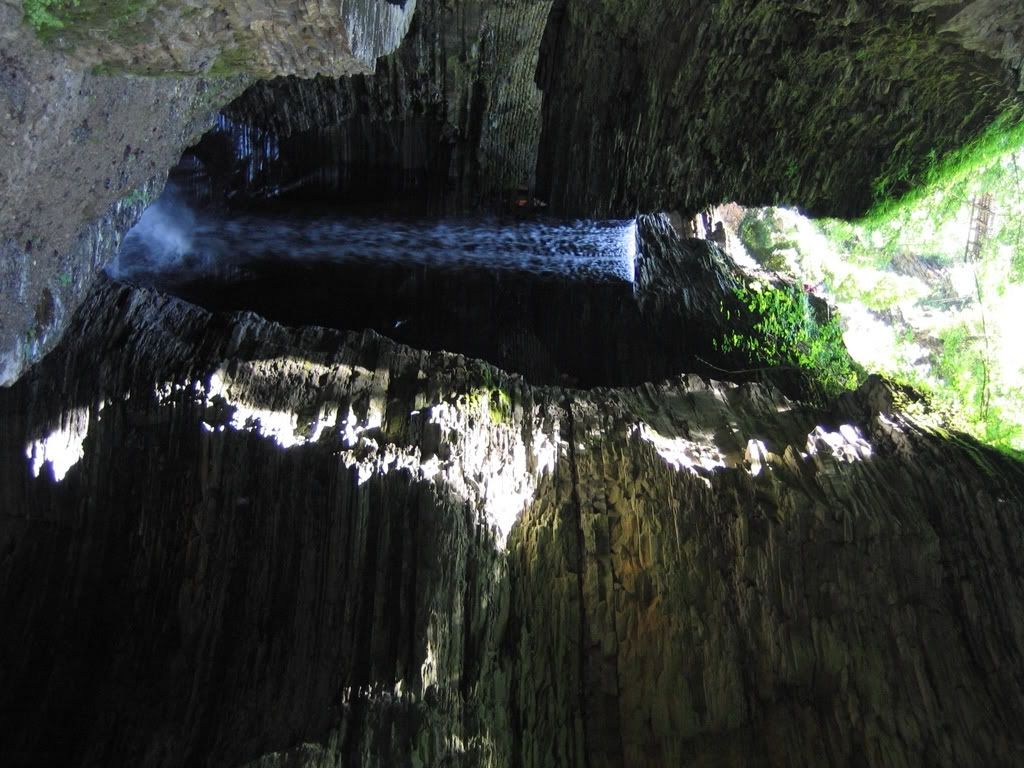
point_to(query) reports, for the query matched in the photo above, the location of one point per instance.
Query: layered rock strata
(228, 542)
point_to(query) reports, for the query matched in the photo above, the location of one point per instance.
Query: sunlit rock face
(83, 154)
(228, 36)
(229, 542)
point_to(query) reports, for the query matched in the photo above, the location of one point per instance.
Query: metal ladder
(982, 215)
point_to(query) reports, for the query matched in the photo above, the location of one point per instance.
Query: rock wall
(451, 119)
(646, 106)
(225, 37)
(663, 106)
(308, 607)
(994, 27)
(231, 542)
(82, 156)
(84, 153)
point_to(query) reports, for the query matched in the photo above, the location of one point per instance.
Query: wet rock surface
(553, 301)
(81, 156)
(84, 153)
(230, 542)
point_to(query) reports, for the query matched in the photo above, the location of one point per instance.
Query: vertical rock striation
(451, 118)
(227, 542)
(662, 106)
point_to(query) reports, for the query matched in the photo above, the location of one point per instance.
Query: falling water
(173, 243)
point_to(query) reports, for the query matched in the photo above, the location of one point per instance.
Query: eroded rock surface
(663, 106)
(259, 38)
(83, 154)
(229, 542)
(645, 106)
(451, 119)
(995, 27)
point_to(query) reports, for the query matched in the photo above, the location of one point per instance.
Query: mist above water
(173, 243)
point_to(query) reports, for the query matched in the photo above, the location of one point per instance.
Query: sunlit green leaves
(914, 306)
(787, 334)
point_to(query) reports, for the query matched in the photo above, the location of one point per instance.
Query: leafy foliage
(120, 20)
(964, 371)
(947, 173)
(918, 304)
(42, 14)
(490, 397)
(761, 235)
(787, 334)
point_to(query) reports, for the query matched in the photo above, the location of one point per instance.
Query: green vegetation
(490, 397)
(964, 369)
(930, 288)
(944, 176)
(122, 21)
(43, 16)
(232, 61)
(762, 237)
(787, 334)
(496, 402)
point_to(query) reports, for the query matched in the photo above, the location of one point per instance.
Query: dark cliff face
(450, 121)
(228, 542)
(655, 106)
(652, 106)
(596, 107)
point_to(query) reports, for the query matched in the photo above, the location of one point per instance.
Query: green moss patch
(122, 21)
(786, 333)
(233, 61)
